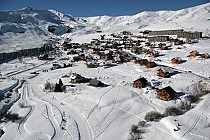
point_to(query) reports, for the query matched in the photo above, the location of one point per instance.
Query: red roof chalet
(166, 93)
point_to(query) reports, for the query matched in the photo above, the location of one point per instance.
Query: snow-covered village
(145, 76)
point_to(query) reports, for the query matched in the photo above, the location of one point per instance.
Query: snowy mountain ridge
(25, 25)
(188, 19)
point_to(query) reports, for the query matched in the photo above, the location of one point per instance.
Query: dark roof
(169, 90)
(144, 60)
(152, 63)
(95, 82)
(142, 80)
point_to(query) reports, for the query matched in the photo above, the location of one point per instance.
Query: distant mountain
(28, 27)
(38, 19)
(192, 19)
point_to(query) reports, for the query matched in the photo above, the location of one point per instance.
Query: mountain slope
(188, 19)
(27, 28)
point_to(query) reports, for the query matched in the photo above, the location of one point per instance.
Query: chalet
(193, 54)
(147, 44)
(178, 42)
(108, 56)
(56, 65)
(145, 33)
(76, 78)
(154, 53)
(176, 60)
(95, 83)
(106, 64)
(126, 33)
(149, 51)
(205, 56)
(141, 62)
(137, 50)
(163, 46)
(166, 93)
(43, 57)
(91, 63)
(140, 83)
(189, 41)
(151, 65)
(116, 60)
(165, 72)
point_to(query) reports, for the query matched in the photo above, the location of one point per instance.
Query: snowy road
(84, 129)
(24, 127)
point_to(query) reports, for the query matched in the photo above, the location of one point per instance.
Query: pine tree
(60, 83)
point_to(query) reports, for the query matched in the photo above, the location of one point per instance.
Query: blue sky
(84, 8)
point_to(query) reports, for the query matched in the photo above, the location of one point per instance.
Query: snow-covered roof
(178, 58)
(73, 76)
(117, 59)
(167, 69)
(195, 51)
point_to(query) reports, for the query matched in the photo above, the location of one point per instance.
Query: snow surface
(107, 112)
(101, 113)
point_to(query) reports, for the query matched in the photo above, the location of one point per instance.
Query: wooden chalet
(163, 46)
(178, 42)
(76, 78)
(165, 72)
(151, 65)
(141, 62)
(147, 44)
(154, 53)
(205, 56)
(43, 57)
(149, 51)
(176, 60)
(140, 83)
(189, 41)
(116, 60)
(193, 54)
(166, 93)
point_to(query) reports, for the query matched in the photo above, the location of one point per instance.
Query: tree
(172, 111)
(59, 86)
(153, 115)
(11, 116)
(60, 83)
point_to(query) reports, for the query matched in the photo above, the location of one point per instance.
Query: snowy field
(86, 112)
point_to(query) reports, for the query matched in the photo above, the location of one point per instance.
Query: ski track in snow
(21, 125)
(80, 119)
(32, 103)
(197, 119)
(102, 121)
(93, 109)
(111, 121)
(147, 102)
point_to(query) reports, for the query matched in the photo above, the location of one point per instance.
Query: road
(84, 128)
